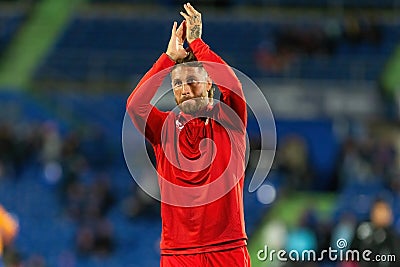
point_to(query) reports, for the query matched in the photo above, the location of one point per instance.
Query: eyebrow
(187, 78)
(192, 77)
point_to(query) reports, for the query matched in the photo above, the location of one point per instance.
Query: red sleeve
(147, 118)
(226, 80)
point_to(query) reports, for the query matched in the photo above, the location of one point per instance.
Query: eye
(177, 83)
(191, 81)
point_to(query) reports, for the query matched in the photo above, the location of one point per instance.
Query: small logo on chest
(179, 125)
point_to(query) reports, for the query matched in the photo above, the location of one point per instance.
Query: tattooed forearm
(195, 32)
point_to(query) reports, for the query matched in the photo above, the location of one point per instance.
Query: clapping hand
(175, 48)
(190, 29)
(193, 22)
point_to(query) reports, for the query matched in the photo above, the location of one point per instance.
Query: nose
(186, 90)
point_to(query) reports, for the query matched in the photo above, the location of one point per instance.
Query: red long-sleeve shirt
(200, 162)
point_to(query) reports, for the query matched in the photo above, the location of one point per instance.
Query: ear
(209, 84)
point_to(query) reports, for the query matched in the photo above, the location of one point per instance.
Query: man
(200, 151)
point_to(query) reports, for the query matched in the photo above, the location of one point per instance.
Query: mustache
(183, 99)
(196, 98)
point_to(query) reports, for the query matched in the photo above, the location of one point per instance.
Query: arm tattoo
(195, 19)
(195, 32)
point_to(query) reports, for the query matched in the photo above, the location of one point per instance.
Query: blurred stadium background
(330, 70)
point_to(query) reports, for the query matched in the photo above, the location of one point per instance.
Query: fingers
(188, 9)
(173, 28)
(180, 32)
(191, 8)
(180, 29)
(173, 32)
(186, 16)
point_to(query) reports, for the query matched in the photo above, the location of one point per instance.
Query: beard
(193, 105)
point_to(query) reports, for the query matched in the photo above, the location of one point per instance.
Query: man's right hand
(175, 48)
(193, 21)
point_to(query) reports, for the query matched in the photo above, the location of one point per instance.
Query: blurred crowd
(312, 233)
(76, 163)
(368, 160)
(367, 211)
(370, 154)
(288, 43)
